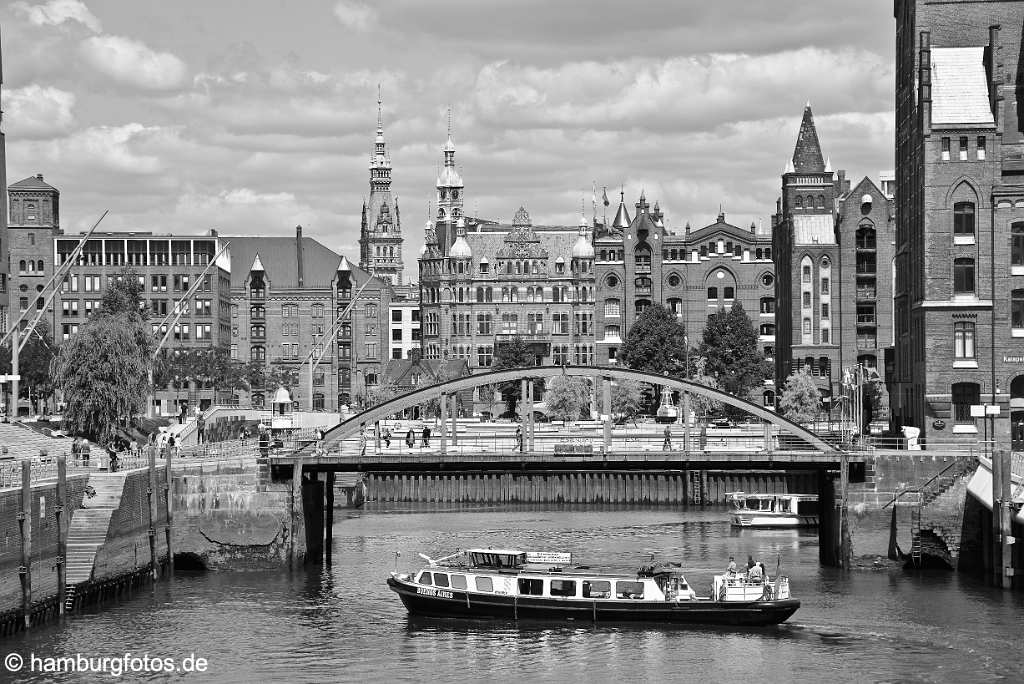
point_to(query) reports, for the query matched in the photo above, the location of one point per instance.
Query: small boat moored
(513, 584)
(773, 510)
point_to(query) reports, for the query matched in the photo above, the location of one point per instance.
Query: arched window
(963, 219)
(821, 202)
(611, 308)
(865, 236)
(21, 266)
(963, 276)
(759, 253)
(799, 202)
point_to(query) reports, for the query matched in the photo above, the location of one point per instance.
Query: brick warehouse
(834, 262)
(640, 262)
(959, 293)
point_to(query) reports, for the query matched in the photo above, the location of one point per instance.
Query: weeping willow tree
(103, 370)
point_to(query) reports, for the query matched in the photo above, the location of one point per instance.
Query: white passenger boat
(773, 510)
(513, 584)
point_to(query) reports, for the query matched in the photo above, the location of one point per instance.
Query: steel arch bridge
(353, 425)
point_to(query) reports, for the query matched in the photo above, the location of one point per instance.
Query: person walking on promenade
(84, 448)
(667, 444)
(410, 438)
(76, 451)
(426, 436)
(519, 438)
(387, 438)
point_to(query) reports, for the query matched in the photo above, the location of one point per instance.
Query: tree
(34, 363)
(627, 399)
(656, 343)
(730, 346)
(702, 405)
(378, 394)
(800, 400)
(514, 354)
(566, 397)
(103, 370)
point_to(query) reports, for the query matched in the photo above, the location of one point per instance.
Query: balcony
(642, 290)
(644, 268)
(866, 319)
(525, 337)
(867, 293)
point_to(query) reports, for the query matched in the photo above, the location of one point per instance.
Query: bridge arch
(351, 426)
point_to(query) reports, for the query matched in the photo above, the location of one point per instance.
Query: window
(629, 590)
(611, 307)
(712, 294)
(1017, 310)
(597, 589)
(289, 310)
(563, 587)
(963, 340)
(440, 579)
(945, 149)
(963, 276)
(204, 331)
(963, 219)
(965, 395)
(530, 586)
(560, 323)
(484, 584)
(204, 307)
(963, 148)
(981, 148)
(371, 350)
(730, 292)
(484, 356)
(825, 339)
(806, 300)
(824, 310)
(318, 311)
(1017, 244)
(560, 355)
(459, 582)
(257, 331)
(805, 272)
(807, 326)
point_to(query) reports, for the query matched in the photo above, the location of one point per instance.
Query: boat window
(458, 581)
(629, 590)
(563, 587)
(531, 587)
(766, 504)
(597, 589)
(784, 506)
(425, 578)
(440, 579)
(484, 584)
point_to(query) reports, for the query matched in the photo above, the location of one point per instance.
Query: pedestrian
(387, 438)
(112, 456)
(519, 438)
(750, 563)
(171, 446)
(201, 428)
(667, 444)
(426, 436)
(410, 438)
(84, 448)
(76, 451)
(181, 414)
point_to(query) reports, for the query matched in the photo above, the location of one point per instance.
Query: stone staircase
(88, 530)
(939, 514)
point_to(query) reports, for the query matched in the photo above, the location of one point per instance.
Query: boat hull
(450, 603)
(753, 519)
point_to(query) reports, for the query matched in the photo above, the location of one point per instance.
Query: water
(343, 624)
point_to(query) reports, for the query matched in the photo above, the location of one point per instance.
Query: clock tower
(449, 196)
(380, 234)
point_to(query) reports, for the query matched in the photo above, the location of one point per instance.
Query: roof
(398, 371)
(720, 226)
(278, 257)
(813, 229)
(960, 87)
(807, 153)
(35, 182)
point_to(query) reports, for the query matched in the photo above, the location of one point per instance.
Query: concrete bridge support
(318, 515)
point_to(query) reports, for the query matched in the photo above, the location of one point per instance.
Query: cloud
(98, 149)
(355, 15)
(243, 210)
(130, 62)
(36, 111)
(57, 12)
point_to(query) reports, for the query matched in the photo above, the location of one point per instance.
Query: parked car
(722, 422)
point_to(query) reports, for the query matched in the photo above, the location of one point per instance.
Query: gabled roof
(807, 153)
(720, 226)
(813, 229)
(35, 182)
(960, 87)
(279, 259)
(399, 371)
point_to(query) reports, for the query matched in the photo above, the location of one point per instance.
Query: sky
(254, 116)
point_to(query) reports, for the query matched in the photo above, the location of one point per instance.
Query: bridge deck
(548, 461)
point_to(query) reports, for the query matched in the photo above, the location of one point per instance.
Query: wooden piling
(62, 536)
(25, 520)
(169, 518)
(151, 500)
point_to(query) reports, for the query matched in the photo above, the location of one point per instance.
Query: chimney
(39, 176)
(298, 252)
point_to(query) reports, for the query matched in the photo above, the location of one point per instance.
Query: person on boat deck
(731, 569)
(750, 563)
(755, 573)
(764, 570)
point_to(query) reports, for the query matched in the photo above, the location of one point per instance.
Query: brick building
(959, 293)
(834, 265)
(640, 262)
(285, 296)
(33, 221)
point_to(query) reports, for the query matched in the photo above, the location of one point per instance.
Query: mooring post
(170, 509)
(62, 540)
(296, 511)
(996, 525)
(844, 520)
(25, 520)
(442, 432)
(1005, 517)
(606, 410)
(151, 498)
(328, 515)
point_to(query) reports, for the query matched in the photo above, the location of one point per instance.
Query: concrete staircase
(88, 529)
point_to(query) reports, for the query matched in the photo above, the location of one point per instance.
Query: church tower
(449, 196)
(380, 235)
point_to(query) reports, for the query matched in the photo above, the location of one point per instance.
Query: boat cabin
(796, 504)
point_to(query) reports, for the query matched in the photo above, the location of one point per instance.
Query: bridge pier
(529, 413)
(606, 396)
(443, 411)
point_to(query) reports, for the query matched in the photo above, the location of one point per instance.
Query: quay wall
(126, 549)
(44, 537)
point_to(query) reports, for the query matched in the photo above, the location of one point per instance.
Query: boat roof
(511, 552)
(771, 496)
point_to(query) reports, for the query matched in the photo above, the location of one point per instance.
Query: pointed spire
(828, 165)
(380, 112)
(257, 264)
(807, 153)
(789, 167)
(622, 219)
